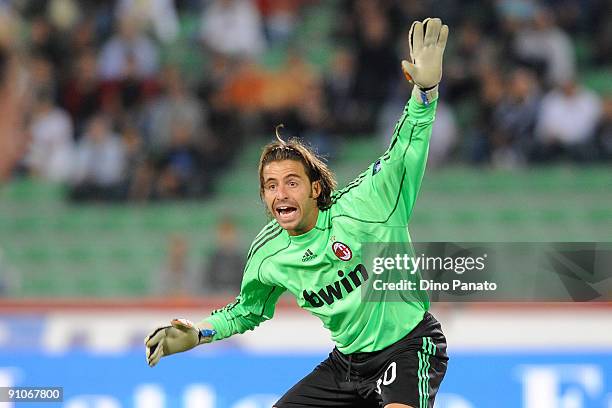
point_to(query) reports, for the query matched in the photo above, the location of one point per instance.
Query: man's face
(290, 196)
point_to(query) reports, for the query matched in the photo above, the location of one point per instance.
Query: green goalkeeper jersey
(324, 268)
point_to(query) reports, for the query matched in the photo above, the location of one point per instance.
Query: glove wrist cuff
(205, 335)
(425, 96)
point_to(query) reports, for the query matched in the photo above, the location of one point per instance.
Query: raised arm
(389, 187)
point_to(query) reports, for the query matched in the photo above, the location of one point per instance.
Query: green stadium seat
(115, 250)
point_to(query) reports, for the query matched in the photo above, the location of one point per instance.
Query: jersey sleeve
(391, 184)
(254, 305)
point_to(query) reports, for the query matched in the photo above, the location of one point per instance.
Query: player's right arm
(254, 305)
(258, 297)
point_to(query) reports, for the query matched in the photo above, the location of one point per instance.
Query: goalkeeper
(387, 354)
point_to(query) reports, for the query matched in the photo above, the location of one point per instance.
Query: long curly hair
(315, 167)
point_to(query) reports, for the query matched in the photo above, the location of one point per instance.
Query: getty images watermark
(513, 272)
(413, 265)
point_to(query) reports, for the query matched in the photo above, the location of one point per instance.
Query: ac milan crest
(342, 251)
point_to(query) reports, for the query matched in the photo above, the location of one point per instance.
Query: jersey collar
(314, 232)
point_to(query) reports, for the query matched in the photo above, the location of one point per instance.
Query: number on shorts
(388, 377)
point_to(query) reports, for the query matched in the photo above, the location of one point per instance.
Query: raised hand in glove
(427, 41)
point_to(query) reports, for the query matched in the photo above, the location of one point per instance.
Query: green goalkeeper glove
(427, 41)
(181, 335)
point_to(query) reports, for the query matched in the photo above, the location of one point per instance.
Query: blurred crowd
(220, 272)
(152, 99)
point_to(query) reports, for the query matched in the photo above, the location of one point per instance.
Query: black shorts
(408, 372)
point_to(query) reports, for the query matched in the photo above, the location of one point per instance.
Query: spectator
(182, 172)
(377, 70)
(128, 44)
(544, 44)
(514, 119)
(281, 92)
(443, 136)
(312, 121)
(600, 23)
(491, 93)
(176, 105)
(280, 18)
(567, 122)
(160, 14)
(125, 97)
(516, 10)
(95, 57)
(99, 162)
(568, 14)
(223, 121)
(10, 278)
(14, 97)
(223, 272)
(63, 14)
(604, 132)
(138, 175)
(51, 132)
(462, 71)
(82, 94)
(339, 85)
(233, 27)
(44, 41)
(42, 75)
(220, 71)
(83, 36)
(175, 278)
(284, 89)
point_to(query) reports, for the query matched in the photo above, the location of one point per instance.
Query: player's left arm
(391, 184)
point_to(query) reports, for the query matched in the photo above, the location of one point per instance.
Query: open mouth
(285, 212)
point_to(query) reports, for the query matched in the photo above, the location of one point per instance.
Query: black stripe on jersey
(350, 186)
(263, 309)
(385, 157)
(390, 214)
(257, 242)
(227, 308)
(396, 134)
(399, 193)
(266, 230)
(272, 235)
(232, 305)
(263, 260)
(357, 180)
(360, 178)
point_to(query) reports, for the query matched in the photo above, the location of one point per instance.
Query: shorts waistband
(360, 356)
